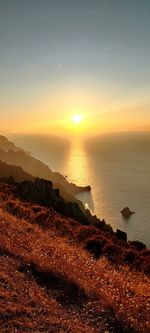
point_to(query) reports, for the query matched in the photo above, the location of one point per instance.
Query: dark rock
(99, 224)
(121, 235)
(126, 212)
(39, 191)
(74, 211)
(77, 189)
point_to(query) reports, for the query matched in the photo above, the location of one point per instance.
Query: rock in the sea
(126, 212)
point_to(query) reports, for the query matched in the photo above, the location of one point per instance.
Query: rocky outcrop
(126, 212)
(76, 189)
(121, 235)
(41, 191)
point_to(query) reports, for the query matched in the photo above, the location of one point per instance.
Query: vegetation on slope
(49, 283)
(26, 200)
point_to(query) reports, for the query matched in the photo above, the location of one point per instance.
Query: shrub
(146, 265)
(85, 232)
(138, 245)
(121, 235)
(112, 251)
(41, 217)
(130, 257)
(94, 246)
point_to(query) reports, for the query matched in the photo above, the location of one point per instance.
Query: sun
(77, 118)
(76, 123)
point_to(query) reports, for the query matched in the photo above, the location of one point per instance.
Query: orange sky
(53, 113)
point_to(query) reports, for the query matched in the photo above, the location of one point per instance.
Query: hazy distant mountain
(6, 145)
(16, 172)
(45, 148)
(18, 157)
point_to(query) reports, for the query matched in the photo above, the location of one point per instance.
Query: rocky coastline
(34, 182)
(61, 267)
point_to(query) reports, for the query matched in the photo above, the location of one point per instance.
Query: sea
(116, 166)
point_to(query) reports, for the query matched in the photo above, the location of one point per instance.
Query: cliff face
(41, 192)
(50, 281)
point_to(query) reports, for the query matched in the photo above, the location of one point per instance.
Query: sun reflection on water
(77, 164)
(78, 169)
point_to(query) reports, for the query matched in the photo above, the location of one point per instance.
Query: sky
(59, 58)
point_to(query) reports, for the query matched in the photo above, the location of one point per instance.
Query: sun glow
(77, 118)
(75, 123)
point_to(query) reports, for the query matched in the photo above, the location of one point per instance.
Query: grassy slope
(50, 284)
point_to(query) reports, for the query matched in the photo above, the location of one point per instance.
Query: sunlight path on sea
(77, 164)
(110, 176)
(78, 171)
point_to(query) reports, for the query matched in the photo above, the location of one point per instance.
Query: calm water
(116, 166)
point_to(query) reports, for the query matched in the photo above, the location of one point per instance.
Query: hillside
(51, 283)
(12, 155)
(7, 170)
(5, 144)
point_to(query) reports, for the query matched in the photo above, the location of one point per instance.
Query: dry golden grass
(116, 250)
(51, 285)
